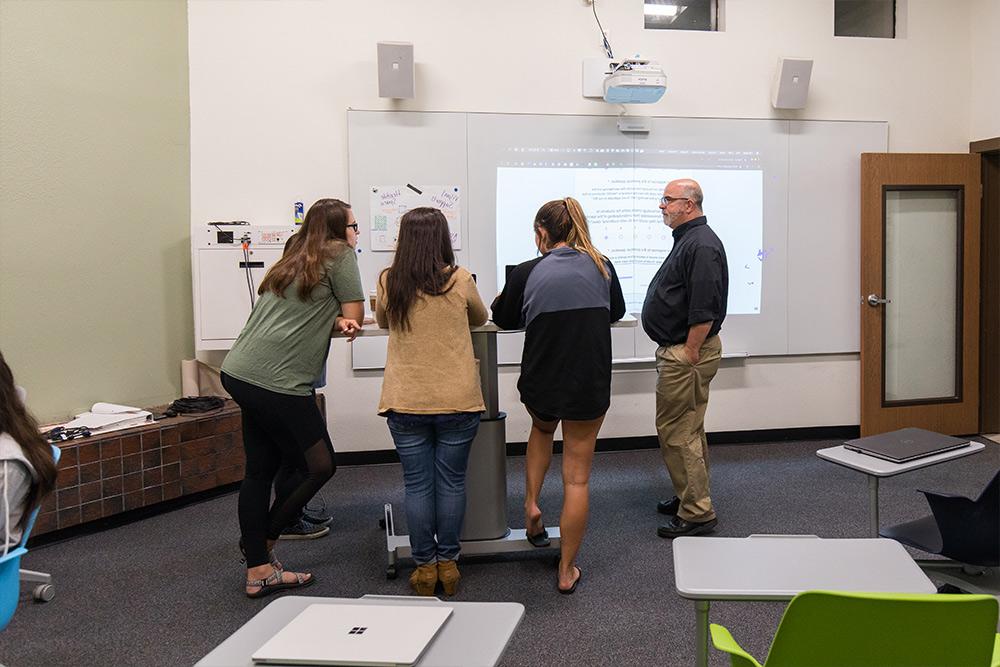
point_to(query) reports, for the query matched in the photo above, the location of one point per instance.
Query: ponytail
(579, 235)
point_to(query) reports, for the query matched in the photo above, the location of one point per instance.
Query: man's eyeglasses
(353, 226)
(667, 200)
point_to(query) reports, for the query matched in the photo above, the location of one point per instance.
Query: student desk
(475, 635)
(486, 529)
(778, 567)
(875, 468)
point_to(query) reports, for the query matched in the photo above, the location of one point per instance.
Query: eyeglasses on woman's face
(353, 226)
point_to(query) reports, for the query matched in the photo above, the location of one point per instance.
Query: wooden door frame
(989, 319)
(881, 171)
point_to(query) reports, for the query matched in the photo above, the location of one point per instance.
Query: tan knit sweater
(430, 369)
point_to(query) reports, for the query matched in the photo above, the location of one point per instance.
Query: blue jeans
(434, 451)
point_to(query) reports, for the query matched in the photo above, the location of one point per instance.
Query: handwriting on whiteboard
(388, 203)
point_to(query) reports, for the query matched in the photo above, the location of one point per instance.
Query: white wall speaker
(791, 83)
(395, 69)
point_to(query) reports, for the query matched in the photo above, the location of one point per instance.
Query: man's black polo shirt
(690, 287)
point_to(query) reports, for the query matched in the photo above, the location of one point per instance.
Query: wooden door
(920, 292)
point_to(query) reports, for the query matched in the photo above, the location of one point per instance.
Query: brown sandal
(274, 583)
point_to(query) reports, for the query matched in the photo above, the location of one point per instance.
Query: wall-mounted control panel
(221, 234)
(226, 276)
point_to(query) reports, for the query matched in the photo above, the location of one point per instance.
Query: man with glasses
(683, 312)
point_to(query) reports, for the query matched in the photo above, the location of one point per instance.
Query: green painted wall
(95, 286)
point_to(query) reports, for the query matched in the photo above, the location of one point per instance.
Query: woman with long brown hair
(430, 393)
(27, 470)
(312, 291)
(566, 301)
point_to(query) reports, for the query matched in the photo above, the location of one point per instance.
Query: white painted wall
(270, 83)
(751, 394)
(985, 106)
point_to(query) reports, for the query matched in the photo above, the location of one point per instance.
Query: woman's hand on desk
(348, 327)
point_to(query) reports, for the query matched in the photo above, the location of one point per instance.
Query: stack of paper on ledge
(104, 417)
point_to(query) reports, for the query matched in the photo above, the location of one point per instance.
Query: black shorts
(540, 416)
(546, 417)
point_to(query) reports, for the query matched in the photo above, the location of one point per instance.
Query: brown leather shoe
(449, 575)
(424, 579)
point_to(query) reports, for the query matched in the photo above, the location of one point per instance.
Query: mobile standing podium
(486, 530)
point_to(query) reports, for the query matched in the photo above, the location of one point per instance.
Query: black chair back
(970, 529)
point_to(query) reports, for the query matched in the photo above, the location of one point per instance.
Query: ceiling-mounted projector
(635, 82)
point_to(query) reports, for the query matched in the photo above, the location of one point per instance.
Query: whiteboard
(811, 205)
(824, 213)
(402, 148)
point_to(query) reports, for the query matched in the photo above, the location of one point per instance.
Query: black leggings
(278, 429)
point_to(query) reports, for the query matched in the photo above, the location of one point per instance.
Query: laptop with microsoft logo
(906, 444)
(355, 634)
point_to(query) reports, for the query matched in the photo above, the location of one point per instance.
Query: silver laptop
(355, 634)
(906, 444)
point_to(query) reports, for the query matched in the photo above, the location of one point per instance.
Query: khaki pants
(681, 401)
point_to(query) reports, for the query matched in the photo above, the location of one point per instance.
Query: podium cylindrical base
(486, 483)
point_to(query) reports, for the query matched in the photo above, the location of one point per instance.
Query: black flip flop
(571, 589)
(538, 540)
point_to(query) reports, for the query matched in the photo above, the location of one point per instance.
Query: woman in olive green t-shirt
(314, 289)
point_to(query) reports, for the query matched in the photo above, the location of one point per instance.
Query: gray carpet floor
(166, 590)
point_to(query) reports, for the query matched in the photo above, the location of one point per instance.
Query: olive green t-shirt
(284, 343)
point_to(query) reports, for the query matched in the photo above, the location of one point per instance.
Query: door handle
(875, 301)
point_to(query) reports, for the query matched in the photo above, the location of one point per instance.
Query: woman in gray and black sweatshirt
(566, 301)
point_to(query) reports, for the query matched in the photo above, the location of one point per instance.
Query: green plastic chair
(831, 629)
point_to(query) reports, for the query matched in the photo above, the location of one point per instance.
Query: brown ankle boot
(424, 579)
(448, 574)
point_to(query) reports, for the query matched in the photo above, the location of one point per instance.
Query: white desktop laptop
(906, 444)
(355, 634)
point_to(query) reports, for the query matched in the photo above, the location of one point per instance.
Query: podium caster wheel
(44, 592)
(390, 572)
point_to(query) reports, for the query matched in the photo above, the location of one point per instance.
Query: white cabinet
(225, 276)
